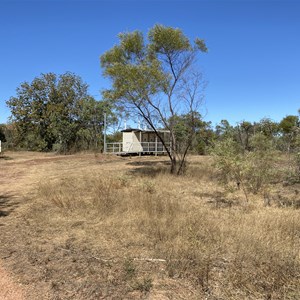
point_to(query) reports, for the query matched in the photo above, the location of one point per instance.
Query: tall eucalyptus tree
(158, 80)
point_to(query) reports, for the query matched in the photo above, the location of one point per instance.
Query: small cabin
(138, 141)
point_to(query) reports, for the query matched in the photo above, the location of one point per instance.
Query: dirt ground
(20, 173)
(24, 262)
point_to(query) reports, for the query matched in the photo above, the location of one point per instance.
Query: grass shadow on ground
(7, 205)
(149, 168)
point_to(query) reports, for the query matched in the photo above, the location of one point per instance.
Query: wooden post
(104, 138)
(155, 145)
(140, 153)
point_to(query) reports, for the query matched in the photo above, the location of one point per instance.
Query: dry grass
(126, 229)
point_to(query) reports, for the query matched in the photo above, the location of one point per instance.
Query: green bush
(252, 171)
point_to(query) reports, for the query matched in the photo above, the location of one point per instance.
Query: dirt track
(20, 175)
(20, 172)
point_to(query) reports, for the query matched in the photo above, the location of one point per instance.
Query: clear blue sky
(252, 68)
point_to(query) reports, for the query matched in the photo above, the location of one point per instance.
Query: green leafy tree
(224, 130)
(244, 131)
(290, 129)
(288, 123)
(28, 109)
(9, 131)
(205, 137)
(91, 122)
(252, 171)
(156, 80)
(56, 112)
(239, 133)
(192, 133)
(267, 127)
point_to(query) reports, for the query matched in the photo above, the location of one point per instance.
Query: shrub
(252, 171)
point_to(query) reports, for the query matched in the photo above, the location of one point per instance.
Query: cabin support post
(140, 153)
(104, 137)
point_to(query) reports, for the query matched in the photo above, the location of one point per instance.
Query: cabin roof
(143, 130)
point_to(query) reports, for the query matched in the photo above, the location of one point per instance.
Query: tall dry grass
(236, 252)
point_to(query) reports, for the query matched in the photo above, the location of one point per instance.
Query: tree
(267, 127)
(91, 122)
(224, 130)
(156, 80)
(289, 123)
(2, 134)
(56, 112)
(205, 136)
(244, 132)
(290, 129)
(193, 132)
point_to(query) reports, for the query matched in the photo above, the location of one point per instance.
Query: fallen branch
(150, 259)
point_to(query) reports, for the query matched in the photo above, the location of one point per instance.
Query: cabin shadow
(7, 205)
(149, 168)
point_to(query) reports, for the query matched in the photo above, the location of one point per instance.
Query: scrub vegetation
(97, 227)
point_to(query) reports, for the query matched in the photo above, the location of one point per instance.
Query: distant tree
(55, 110)
(192, 133)
(290, 129)
(205, 137)
(244, 131)
(289, 123)
(224, 130)
(9, 131)
(267, 127)
(91, 122)
(2, 134)
(157, 80)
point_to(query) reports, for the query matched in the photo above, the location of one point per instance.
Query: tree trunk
(173, 164)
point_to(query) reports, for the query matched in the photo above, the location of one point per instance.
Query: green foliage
(268, 127)
(290, 129)
(228, 160)
(244, 131)
(191, 129)
(201, 45)
(114, 137)
(9, 131)
(2, 133)
(56, 112)
(224, 130)
(261, 162)
(288, 124)
(253, 170)
(167, 40)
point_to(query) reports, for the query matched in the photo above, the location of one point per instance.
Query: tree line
(154, 77)
(55, 112)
